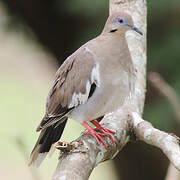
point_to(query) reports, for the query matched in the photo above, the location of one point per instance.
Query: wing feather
(71, 87)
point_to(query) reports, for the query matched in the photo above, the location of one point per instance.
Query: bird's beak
(135, 29)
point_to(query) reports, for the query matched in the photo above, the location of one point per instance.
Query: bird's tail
(44, 144)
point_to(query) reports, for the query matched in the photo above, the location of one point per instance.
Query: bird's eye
(120, 21)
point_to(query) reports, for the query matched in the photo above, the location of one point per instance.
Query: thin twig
(168, 92)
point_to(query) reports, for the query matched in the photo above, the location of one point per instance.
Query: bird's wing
(75, 81)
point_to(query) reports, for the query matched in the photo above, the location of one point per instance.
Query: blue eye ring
(121, 20)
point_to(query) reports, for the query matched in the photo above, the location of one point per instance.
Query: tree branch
(79, 162)
(86, 154)
(168, 143)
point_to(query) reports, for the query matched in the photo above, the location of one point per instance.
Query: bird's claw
(98, 132)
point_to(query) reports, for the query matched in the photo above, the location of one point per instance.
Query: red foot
(103, 130)
(96, 135)
(100, 127)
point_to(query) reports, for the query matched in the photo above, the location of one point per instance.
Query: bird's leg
(103, 130)
(96, 135)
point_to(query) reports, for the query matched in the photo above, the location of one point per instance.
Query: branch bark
(86, 154)
(168, 143)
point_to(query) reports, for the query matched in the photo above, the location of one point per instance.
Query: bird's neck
(118, 36)
(118, 47)
(115, 40)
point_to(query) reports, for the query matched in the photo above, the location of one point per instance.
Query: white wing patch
(95, 75)
(80, 98)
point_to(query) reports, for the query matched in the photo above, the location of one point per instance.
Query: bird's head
(120, 23)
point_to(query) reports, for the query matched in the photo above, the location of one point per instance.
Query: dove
(95, 80)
